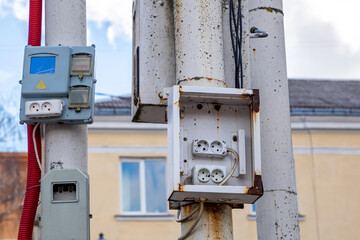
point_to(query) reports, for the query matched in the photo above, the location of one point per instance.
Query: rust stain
(217, 108)
(269, 9)
(256, 101)
(180, 187)
(200, 78)
(214, 226)
(257, 189)
(187, 209)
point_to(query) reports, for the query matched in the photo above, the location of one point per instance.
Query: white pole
(65, 145)
(276, 210)
(199, 43)
(200, 62)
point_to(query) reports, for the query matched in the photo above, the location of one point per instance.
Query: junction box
(58, 85)
(206, 125)
(65, 197)
(154, 64)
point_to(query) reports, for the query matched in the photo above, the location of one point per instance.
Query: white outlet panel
(44, 108)
(209, 148)
(203, 123)
(208, 174)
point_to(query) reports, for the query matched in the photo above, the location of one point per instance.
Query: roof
(307, 97)
(114, 106)
(324, 97)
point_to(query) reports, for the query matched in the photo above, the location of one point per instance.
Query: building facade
(127, 170)
(326, 140)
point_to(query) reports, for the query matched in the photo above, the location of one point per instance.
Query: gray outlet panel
(65, 211)
(47, 75)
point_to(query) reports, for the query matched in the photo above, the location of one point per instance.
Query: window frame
(142, 181)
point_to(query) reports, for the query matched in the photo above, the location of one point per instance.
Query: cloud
(115, 15)
(315, 48)
(342, 15)
(19, 8)
(5, 76)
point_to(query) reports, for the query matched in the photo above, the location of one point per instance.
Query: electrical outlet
(217, 175)
(34, 108)
(46, 108)
(218, 148)
(202, 174)
(201, 147)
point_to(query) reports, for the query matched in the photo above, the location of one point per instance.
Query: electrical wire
(201, 210)
(233, 168)
(235, 22)
(188, 216)
(36, 151)
(188, 179)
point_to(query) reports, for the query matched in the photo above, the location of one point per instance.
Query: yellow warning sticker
(41, 85)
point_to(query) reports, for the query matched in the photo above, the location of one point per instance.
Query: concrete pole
(277, 209)
(65, 145)
(199, 43)
(200, 62)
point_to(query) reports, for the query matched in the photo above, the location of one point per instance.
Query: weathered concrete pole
(277, 209)
(200, 62)
(65, 24)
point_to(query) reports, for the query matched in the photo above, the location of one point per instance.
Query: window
(252, 215)
(142, 186)
(253, 209)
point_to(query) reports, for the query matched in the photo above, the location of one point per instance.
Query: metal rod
(65, 145)
(276, 210)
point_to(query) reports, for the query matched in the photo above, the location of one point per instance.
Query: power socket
(209, 148)
(208, 174)
(44, 108)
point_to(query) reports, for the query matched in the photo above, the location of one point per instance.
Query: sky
(322, 42)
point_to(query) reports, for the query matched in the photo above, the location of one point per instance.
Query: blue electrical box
(58, 85)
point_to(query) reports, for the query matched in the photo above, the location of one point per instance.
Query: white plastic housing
(208, 174)
(207, 148)
(198, 119)
(45, 108)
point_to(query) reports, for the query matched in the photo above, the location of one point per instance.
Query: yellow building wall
(105, 195)
(327, 189)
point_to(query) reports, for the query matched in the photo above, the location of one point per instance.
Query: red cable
(33, 171)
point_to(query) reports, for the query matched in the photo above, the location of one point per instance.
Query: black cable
(235, 21)
(240, 44)
(231, 16)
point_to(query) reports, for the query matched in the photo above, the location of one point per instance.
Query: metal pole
(276, 210)
(65, 145)
(200, 62)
